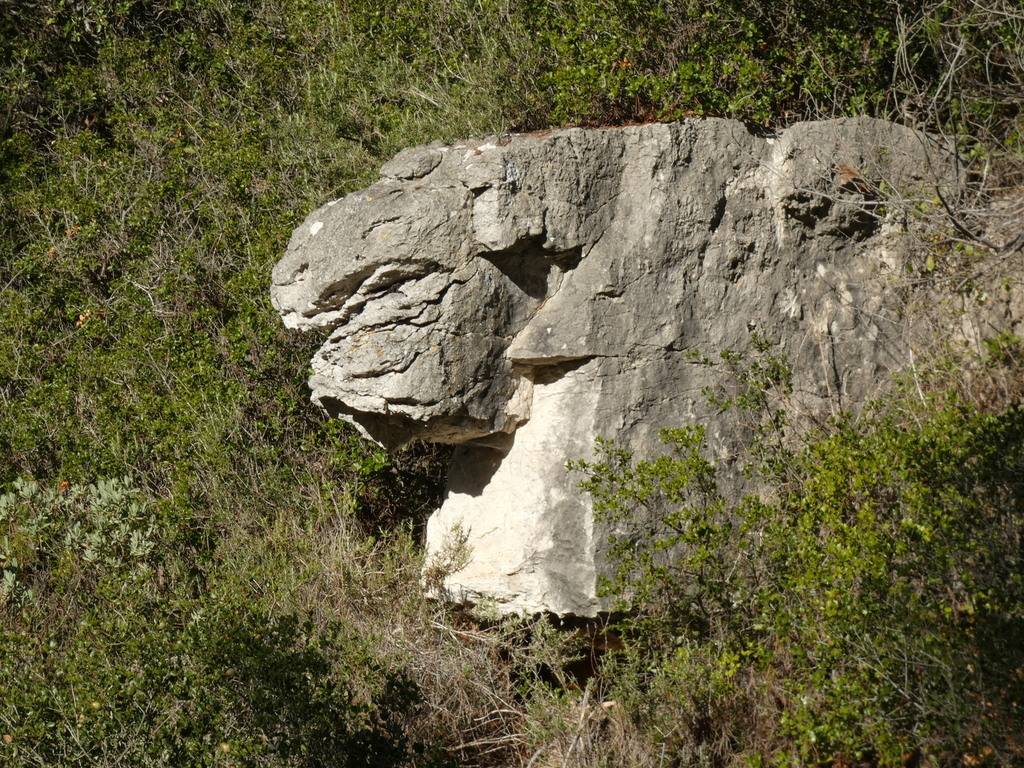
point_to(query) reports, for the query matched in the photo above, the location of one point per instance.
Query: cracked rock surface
(521, 296)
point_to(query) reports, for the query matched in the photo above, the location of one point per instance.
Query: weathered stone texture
(522, 296)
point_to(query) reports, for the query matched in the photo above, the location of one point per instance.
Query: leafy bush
(755, 61)
(78, 534)
(766, 62)
(870, 610)
(108, 658)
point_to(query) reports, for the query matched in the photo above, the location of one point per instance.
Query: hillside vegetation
(198, 568)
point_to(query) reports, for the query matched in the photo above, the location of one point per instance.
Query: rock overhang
(521, 296)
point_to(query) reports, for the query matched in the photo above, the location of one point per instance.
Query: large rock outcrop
(521, 296)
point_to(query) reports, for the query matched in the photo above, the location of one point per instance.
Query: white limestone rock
(525, 295)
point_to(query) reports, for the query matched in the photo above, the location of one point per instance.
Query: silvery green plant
(74, 530)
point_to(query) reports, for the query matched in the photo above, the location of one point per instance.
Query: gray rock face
(522, 296)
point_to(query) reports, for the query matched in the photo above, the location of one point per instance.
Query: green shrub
(110, 656)
(773, 62)
(870, 609)
(78, 535)
(225, 685)
(755, 61)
